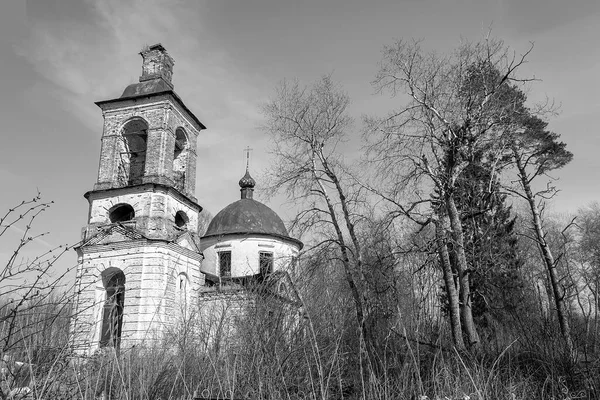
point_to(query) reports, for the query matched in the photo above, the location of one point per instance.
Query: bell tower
(139, 259)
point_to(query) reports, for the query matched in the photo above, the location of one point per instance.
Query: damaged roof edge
(178, 100)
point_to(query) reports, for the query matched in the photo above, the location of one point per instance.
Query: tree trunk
(596, 305)
(453, 300)
(547, 256)
(349, 272)
(358, 261)
(463, 273)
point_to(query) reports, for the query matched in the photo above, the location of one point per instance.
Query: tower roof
(146, 88)
(156, 80)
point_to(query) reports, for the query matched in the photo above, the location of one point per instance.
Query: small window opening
(121, 213)
(182, 283)
(181, 219)
(265, 261)
(225, 263)
(112, 313)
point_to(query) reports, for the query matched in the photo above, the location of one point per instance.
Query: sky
(57, 57)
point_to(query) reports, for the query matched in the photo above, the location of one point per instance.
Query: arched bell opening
(180, 158)
(132, 163)
(113, 280)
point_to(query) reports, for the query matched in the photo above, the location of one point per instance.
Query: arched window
(182, 292)
(112, 311)
(182, 284)
(121, 213)
(181, 219)
(179, 158)
(133, 152)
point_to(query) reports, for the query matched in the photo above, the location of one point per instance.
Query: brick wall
(163, 117)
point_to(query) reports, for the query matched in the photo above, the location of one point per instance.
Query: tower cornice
(106, 104)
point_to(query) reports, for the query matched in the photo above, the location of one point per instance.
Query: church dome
(247, 216)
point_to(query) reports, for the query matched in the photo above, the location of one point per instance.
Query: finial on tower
(156, 64)
(247, 183)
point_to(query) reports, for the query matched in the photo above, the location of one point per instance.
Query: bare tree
(453, 112)
(33, 308)
(587, 256)
(306, 126)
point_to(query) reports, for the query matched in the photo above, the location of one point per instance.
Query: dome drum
(247, 238)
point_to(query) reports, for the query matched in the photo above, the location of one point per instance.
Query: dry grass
(278, 361)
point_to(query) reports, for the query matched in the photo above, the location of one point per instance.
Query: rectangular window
(225, 263)
(265, 261)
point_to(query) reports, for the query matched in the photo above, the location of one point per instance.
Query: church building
(141, 261)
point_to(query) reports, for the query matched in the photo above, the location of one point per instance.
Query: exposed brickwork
(163, 115)
(156, 64)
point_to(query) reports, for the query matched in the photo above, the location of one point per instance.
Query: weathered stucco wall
(154, 297)
(245, 251)
(154, 208)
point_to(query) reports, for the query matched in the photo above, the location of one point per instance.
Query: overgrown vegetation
(430, 271)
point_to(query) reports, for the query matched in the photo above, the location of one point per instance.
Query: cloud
(89, 53)
(93, 56)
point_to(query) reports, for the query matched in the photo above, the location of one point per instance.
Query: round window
(121, 213)
(181, 219)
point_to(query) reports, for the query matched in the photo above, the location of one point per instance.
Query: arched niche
(113, 280)
(182, 284)
(182, 293)
(180, 154)
(120, 213)
(132, 152)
